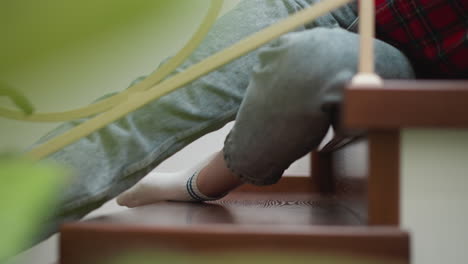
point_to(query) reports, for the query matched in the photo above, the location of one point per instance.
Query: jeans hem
(258, 181)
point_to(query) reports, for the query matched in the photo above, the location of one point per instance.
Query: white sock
(158, 186)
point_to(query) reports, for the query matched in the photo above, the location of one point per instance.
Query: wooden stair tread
(242, 221)
(239, 209)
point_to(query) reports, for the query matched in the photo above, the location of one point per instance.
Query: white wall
(434, 194)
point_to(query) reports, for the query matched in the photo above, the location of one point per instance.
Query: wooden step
(276, 220)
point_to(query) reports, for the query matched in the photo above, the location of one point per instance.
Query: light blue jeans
(276, 92)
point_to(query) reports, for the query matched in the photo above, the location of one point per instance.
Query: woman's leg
(281, 117)
(182, 186)
(117, 156)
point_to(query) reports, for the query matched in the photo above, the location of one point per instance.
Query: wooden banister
(381, 111)
(400, 104)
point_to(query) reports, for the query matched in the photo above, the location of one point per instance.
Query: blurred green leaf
(33, 30)
(18, 99)
(27, 194)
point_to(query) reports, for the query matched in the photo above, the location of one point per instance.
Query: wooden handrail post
(384, 178)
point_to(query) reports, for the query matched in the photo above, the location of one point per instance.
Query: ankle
(196, 194)
(216, 179)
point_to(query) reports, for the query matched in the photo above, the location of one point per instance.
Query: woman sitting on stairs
(278, 96)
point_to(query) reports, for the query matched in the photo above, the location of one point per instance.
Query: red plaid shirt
(432, 33)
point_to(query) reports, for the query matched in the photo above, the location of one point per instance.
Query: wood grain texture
(239, 209)
(399, 104)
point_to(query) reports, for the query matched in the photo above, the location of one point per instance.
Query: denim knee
(306, 67)
(282, 116)
(322, 61)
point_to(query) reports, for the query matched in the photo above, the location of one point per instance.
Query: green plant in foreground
(17, 98)
(27, 193)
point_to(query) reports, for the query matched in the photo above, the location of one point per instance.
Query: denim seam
(354, 26)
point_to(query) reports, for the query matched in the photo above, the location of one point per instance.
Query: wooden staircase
(349, 205)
